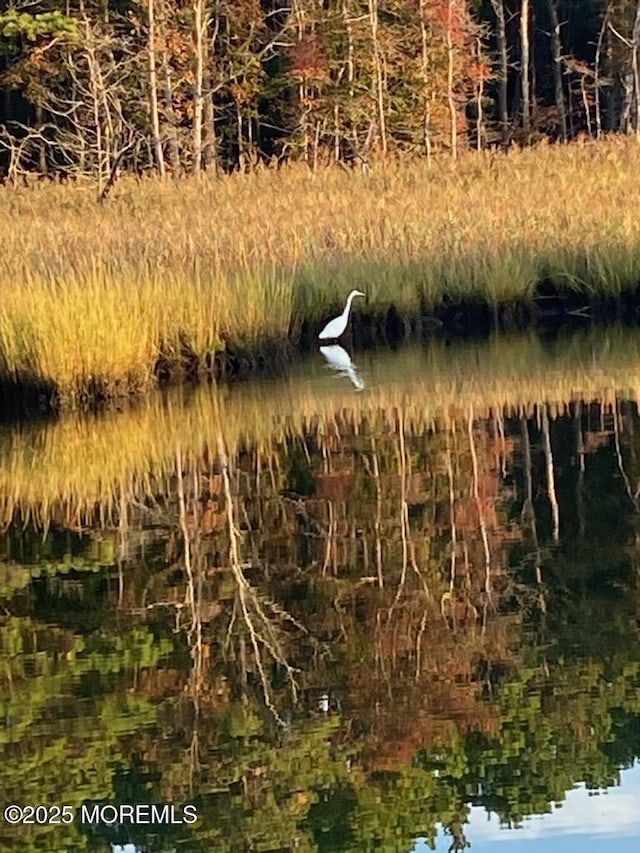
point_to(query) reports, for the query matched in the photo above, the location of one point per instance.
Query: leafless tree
(503, 63)
(556, 51)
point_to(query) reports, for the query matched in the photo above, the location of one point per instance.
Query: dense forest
(177, 86)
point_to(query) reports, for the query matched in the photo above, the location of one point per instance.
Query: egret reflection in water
(340, 361)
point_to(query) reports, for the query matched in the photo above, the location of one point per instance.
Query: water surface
(386, 602)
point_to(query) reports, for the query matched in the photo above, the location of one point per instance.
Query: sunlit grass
(92, 296)
(63, 470)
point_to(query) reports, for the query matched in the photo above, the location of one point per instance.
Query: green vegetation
(93, 297)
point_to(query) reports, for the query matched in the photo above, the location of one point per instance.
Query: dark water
(392, 607)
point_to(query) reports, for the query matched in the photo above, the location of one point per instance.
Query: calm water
(390, 605)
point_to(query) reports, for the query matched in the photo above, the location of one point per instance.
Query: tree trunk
(42, 148)
(198, 30)
(596, 71)
(302, 85)
(635, 65)
(101, 157)
(378, 74)
(627, 100)
(627, 117)
(348, 26)
(209, 153)
(167, 91)
(479, 98)
(524, 65)
(426, 118)
(556, 52)
(501, 37)
(450, 98)
(348, 117)
(585, 102)
(153, 92)
(174, 149)
(240, 137)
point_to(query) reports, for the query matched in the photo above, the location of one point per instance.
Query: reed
(93, 296)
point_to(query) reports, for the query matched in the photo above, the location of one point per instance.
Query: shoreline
(548, 314)
(82, 458)
(221, 275)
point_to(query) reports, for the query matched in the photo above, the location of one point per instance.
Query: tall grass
(93, 295)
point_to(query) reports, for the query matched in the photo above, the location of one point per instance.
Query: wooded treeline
(176, 86)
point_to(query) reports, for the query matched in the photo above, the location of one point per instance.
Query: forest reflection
(333, 620)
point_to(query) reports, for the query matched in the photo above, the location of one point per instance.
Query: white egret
(336, 327)
(340, 360)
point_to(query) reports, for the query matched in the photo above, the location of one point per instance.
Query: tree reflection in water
(331, 631)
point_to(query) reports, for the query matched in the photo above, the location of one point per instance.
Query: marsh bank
(220, 275)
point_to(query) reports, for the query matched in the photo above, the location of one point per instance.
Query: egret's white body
(336, 327)
(340, 360)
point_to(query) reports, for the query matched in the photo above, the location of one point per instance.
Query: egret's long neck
(347, 307)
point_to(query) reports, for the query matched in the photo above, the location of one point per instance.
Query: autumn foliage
(178, 86)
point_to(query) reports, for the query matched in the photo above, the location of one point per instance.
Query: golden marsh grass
(66, 468)
(92, 296)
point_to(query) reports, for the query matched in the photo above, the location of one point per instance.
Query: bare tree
(153, 89)
(378, 73)
(501, 37)
(299, 17)
(630, 111)
(525, 11)
(635, 64)
(90, 112)
(167, 92)
(597, 67)
(23, 145)
(426, 131)
(199, 27)
(556, 52)
(453, 112)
